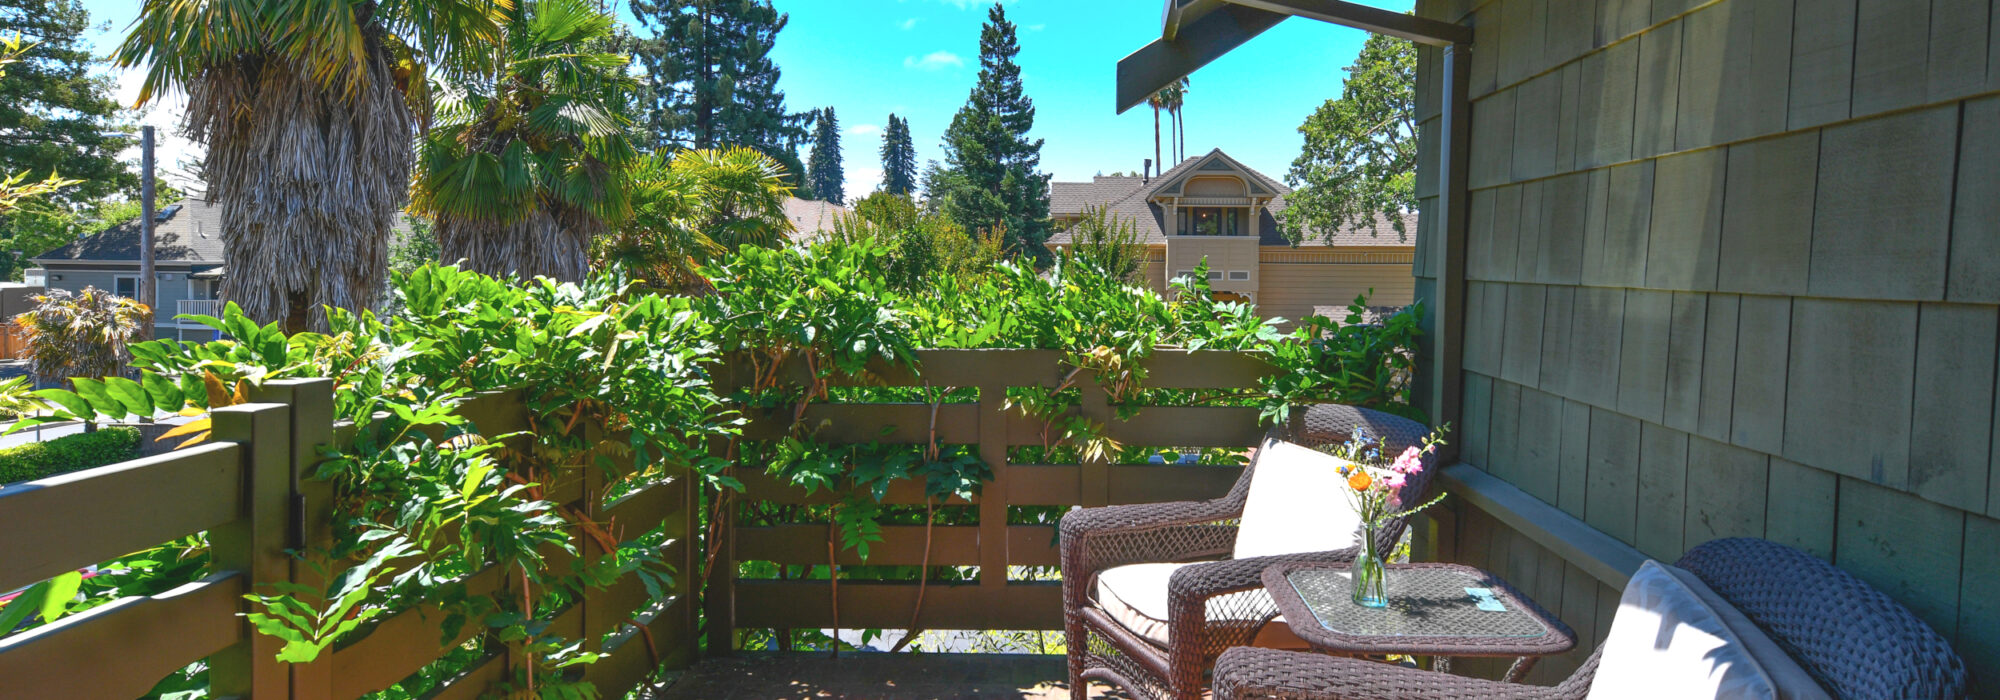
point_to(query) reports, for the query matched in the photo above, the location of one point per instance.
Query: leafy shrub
(67, 454)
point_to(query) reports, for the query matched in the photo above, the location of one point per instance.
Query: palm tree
(695, 207)
(309, 109)
(527, 164)
(84, 334)
(1157, 101)
(1170, 99)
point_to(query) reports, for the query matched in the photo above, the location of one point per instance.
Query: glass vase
(1370, 580)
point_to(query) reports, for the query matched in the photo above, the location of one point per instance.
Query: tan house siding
(1731, 272)
(1291, 290)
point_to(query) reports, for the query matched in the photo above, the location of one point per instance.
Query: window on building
(1214, 275)
(127, 287)
(1239, 275)
(1211, 221)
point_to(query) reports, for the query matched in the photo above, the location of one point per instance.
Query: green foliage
(694, 207)
(923, 248)
(1351, 363)
(713, 82)
(526, 163)
(1360, 154)
(992, 181)
(1108, 242)
(828, 181)
(58, 104)
(66, 454)
(899, 158)
(82, 334)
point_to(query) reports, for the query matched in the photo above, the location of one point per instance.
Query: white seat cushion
(1298, 502)
(1673, 637)
(1135, 596)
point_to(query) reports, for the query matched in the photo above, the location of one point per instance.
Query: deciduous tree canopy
(1360, 155)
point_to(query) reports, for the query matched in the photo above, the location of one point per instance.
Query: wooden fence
(993, 602)
(245, 489)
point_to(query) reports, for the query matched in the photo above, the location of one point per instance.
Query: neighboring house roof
(1129, 198)
(189, 231)
(811, 217)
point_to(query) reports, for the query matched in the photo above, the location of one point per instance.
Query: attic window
(1239, 275)
(167, 213)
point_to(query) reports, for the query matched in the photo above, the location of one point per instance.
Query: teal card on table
(1484, 599)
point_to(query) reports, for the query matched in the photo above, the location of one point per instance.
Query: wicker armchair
(1213, 605)
(1855, 641)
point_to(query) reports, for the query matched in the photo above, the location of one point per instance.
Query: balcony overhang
(1195, 32)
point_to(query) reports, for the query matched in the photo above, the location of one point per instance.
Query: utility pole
(146, 281)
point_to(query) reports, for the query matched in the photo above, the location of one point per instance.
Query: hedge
(67, 454)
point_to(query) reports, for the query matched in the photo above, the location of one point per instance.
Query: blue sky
(919, 58)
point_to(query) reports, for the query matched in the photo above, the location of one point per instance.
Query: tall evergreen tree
(993, 179)
(828, 182)
(899, 157)
(712, 81)
(54, 109)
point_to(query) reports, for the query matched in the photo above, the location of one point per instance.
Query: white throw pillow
(1298, 503)
(1673, 637)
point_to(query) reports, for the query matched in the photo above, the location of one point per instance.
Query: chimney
(1148, 171)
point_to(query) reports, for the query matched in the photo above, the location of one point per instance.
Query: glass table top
(1422, 603)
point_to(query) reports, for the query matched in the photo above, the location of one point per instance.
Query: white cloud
(936, 60)
(862, 129)
(861, 181)
(909, 24)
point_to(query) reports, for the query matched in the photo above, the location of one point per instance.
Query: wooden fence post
(254, 544)
(310, 526)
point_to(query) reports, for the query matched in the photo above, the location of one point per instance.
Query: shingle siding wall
(1733, 270)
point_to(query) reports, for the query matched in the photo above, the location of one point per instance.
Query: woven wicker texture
(1853, 639)
(1424, 603)
(1095, 539)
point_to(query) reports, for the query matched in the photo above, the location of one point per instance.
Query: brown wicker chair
(1097, 539)
(1855, 641)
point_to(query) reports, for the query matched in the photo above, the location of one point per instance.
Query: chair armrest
(1243, 673)
(1190, 588)
(1095, 539)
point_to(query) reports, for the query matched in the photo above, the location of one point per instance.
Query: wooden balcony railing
(994, 602)
(246, 489)
(202, 307)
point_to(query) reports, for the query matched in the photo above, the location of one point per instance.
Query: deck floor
(877, 676)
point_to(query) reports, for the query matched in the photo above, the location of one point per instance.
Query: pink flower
(1411, 461)
(1394, 480)
(1395, 502)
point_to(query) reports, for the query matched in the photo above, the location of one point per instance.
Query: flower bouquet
(1376, 486)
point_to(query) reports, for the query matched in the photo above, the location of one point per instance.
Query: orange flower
(1359, 481)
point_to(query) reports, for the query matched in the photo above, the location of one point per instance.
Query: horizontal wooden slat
(889, 423)
(901, 545)
(496, 413)
(1043, 484)
(65, 522)
(1032, 545)
(473, 683)
(762, 487)
(1154, 483)
(870, 604)
(608, 608)
(629, 660)
(403, 643)
(120, 650)
(1189, 426)
(1205, 369)
(646, 508)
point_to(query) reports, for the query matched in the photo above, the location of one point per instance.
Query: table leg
(1520, 669)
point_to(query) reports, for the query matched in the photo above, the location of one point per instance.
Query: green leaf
(62, 590)
(101, 401)
(132, 396)
(166, 395)
(76, 406)
(28, 603)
